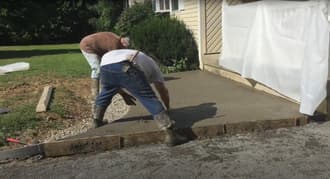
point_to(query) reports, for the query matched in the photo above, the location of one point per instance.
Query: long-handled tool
(15, 141)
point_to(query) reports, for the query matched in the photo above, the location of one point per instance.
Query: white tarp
(282, 44)
(19, 66)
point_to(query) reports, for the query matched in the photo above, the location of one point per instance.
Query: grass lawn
(61, 66)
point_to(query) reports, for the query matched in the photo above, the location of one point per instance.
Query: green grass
(47, 64)
(24, 117)
(21, 118)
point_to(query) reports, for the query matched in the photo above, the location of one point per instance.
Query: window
(175, 4)
(168, 5)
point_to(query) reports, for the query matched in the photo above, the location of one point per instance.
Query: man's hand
(129, 99)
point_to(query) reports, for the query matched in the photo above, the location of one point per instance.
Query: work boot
(173, 138)
(164, 122)
(98, 117)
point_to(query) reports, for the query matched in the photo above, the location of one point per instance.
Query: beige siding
(213, 26)
(189, 15)
(211, 36)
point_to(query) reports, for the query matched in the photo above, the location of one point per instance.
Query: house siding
(211, 30)
(190, 16)
(213, 26)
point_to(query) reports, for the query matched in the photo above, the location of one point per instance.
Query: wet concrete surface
(290, 153)
(200, 99)
(203, 99)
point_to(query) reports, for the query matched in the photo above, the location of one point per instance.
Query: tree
(58, 21)
(106, 14)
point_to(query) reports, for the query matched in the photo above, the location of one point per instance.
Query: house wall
(211, 37)
(190, 16)
(203, 18)
(211, 43)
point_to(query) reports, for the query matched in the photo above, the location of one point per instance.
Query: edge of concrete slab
(113, 142)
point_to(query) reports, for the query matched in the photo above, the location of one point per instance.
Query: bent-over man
(134, 71)
(93, 47)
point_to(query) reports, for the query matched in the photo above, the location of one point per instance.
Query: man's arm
(163, 92)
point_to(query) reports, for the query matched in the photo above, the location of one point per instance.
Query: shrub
(106, 14)
(168, 41)
(133, 16)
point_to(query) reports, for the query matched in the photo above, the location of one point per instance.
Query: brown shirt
(100, 43)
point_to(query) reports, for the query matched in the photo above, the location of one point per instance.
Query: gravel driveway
(300, 152)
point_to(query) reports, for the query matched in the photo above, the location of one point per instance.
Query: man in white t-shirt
(93, 47)
(134, 71)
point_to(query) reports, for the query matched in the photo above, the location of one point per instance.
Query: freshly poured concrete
(201, 99)
(202, 104)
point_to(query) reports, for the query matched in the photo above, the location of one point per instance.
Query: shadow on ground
(184, 117)
(170, 78)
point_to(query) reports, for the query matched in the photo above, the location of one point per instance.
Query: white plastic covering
(282, 44)
(19, 66)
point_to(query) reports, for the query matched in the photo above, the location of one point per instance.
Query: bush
(168, 41)
(30, 22)
(133, 16)
(106, 14)
(62, 21)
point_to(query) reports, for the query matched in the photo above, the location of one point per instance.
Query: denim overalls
(125, 75)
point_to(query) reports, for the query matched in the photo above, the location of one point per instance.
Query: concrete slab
(202, 104)
(200, 99)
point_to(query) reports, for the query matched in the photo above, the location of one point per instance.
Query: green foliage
(39, 22)
(168, 41)
(61, 21)
(107, 13)
(133, 16)
(46, 61)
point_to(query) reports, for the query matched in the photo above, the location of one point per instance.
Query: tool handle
(15, 141)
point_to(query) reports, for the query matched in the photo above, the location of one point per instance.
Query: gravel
(115, 111)
(294, 153)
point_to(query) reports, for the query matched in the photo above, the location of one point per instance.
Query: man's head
(124, 41)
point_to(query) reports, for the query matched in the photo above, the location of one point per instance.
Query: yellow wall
(190, 16)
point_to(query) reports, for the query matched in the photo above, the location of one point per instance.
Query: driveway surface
(298, 152)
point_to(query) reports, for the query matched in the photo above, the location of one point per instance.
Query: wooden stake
(44, 99)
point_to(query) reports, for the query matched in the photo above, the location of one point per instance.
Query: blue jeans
(113, 77)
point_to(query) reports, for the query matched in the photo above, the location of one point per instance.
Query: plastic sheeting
(19, 66)
(282, 44)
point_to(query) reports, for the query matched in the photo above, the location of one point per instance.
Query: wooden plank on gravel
(44, 99)
(21, 153)
(82, 145)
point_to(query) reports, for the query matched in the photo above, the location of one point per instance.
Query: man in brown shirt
(93, 47)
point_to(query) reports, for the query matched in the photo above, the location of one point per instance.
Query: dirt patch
(69, 112)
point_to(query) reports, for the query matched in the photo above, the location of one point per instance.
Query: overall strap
(133, 57)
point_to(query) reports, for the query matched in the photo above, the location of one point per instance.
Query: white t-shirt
(142, 62)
